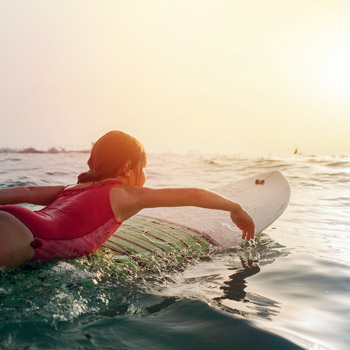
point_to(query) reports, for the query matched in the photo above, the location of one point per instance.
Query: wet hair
(109, 155)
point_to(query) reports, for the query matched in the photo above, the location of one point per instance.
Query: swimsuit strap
(71, 191)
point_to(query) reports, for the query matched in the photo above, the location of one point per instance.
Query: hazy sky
(208, 75)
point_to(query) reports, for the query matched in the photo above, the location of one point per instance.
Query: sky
(212, 76)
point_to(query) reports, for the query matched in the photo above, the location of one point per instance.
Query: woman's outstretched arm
(39, 195)
(129, 200)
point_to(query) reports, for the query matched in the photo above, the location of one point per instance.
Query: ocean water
(288, 290)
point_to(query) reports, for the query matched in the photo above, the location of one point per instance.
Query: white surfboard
(264, 196)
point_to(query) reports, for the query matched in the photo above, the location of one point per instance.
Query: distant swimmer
(77, 219)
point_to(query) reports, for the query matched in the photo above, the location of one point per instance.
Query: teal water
(288, 290)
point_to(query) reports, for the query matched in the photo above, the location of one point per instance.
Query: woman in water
(78, 219)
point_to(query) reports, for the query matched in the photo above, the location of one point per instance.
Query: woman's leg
(15, 238)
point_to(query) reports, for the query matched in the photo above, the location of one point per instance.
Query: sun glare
(336, 70)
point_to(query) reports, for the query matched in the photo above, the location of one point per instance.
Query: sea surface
(288, 290)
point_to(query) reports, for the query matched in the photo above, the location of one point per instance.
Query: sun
(335, 70)
(325, 65)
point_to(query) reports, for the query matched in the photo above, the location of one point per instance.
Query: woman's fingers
(248, 229)
(248, 235)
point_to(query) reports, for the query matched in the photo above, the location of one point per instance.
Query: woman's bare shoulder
(125, 201)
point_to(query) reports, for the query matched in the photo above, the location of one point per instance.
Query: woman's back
(76, 223)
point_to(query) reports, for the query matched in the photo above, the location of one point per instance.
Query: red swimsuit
(76, 223)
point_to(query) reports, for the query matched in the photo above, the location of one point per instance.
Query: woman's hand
(244, 222)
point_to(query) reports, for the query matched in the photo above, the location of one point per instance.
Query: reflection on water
(237, 301)
(223, 279)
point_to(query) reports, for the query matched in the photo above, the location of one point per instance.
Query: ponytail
(85, 177)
